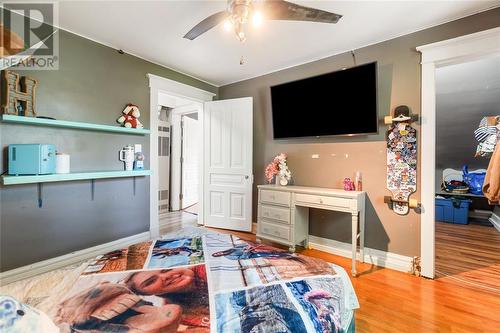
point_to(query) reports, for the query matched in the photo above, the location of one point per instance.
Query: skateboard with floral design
(401, 160)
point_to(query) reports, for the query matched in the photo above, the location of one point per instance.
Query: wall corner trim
(495, 220)
(44, 266)
(372, 256)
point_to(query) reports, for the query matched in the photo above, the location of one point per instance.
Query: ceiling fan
(240, 12)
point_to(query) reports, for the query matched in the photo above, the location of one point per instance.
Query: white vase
(281, 180)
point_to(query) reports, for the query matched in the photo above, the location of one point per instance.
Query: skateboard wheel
(413, 203)
(387, 120)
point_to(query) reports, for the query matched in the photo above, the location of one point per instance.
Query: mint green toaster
(32, 159)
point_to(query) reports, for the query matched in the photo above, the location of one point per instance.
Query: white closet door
(190, 159)
(228, 164)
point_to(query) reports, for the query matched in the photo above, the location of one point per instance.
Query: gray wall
(399, 83)
(465, 93)
(93, 84)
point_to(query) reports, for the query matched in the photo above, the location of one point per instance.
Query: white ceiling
(153, 30)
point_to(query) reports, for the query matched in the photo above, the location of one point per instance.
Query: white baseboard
(68, 259)
(372, 256)
(495, 220)
(480, 214)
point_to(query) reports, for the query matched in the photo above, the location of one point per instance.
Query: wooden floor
(468, 255)
(176, 220)
(393, 301)
(193, 209)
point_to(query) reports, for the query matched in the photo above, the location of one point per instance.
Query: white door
(228, 164)
(190, 159)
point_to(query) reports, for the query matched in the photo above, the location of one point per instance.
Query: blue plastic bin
(447, 212)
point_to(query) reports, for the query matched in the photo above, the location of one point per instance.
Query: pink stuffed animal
(130, 117)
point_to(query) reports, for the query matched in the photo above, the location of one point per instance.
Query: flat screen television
(338, 103)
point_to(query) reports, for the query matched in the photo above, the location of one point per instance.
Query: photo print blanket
(207, 282)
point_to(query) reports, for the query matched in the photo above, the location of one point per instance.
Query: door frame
(458, 50)
(159, 84)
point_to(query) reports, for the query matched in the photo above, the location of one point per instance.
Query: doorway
(467, 249)
(190, 163)
(179, 155)
(459, 50)
(165, 92)
(225, 177)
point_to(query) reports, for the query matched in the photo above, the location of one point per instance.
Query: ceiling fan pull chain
(353, 57)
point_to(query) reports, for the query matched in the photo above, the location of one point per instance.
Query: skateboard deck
(401, 165)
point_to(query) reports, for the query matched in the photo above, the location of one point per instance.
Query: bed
(194, 280)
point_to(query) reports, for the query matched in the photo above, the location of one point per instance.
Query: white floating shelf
(31, 179)
(7, 118)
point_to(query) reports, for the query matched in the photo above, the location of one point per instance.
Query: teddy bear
(130, 117)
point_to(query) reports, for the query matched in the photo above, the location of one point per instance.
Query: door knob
(246, 177)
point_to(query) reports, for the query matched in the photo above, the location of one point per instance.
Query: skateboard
(401, 160)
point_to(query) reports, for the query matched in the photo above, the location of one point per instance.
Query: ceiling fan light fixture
(257, 19)
(241, 36)
(239, 14)
(228, 25)
(239, 30)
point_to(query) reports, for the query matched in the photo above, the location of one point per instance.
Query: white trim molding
(179, 89)
(159, 84)
(495, 218)
(372, 256)
(448, 52)
(69, 259)
(462, 49)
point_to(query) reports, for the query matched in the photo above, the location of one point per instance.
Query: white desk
(283, 214)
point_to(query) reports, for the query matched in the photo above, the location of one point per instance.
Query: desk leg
(362, 235)
(354, 241)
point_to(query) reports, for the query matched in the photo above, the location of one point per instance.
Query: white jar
(62, 163)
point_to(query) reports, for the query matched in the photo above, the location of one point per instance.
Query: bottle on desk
(359, 181)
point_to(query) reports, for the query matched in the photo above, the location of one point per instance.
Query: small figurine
(130, 117)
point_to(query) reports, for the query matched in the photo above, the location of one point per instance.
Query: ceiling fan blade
(206, 24)
(284, 10)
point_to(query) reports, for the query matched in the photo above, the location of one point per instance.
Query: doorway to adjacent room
(468, 48)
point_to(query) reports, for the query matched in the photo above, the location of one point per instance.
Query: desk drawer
(275, 197)
(323, 200)
(275, 230)
(276, 213)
